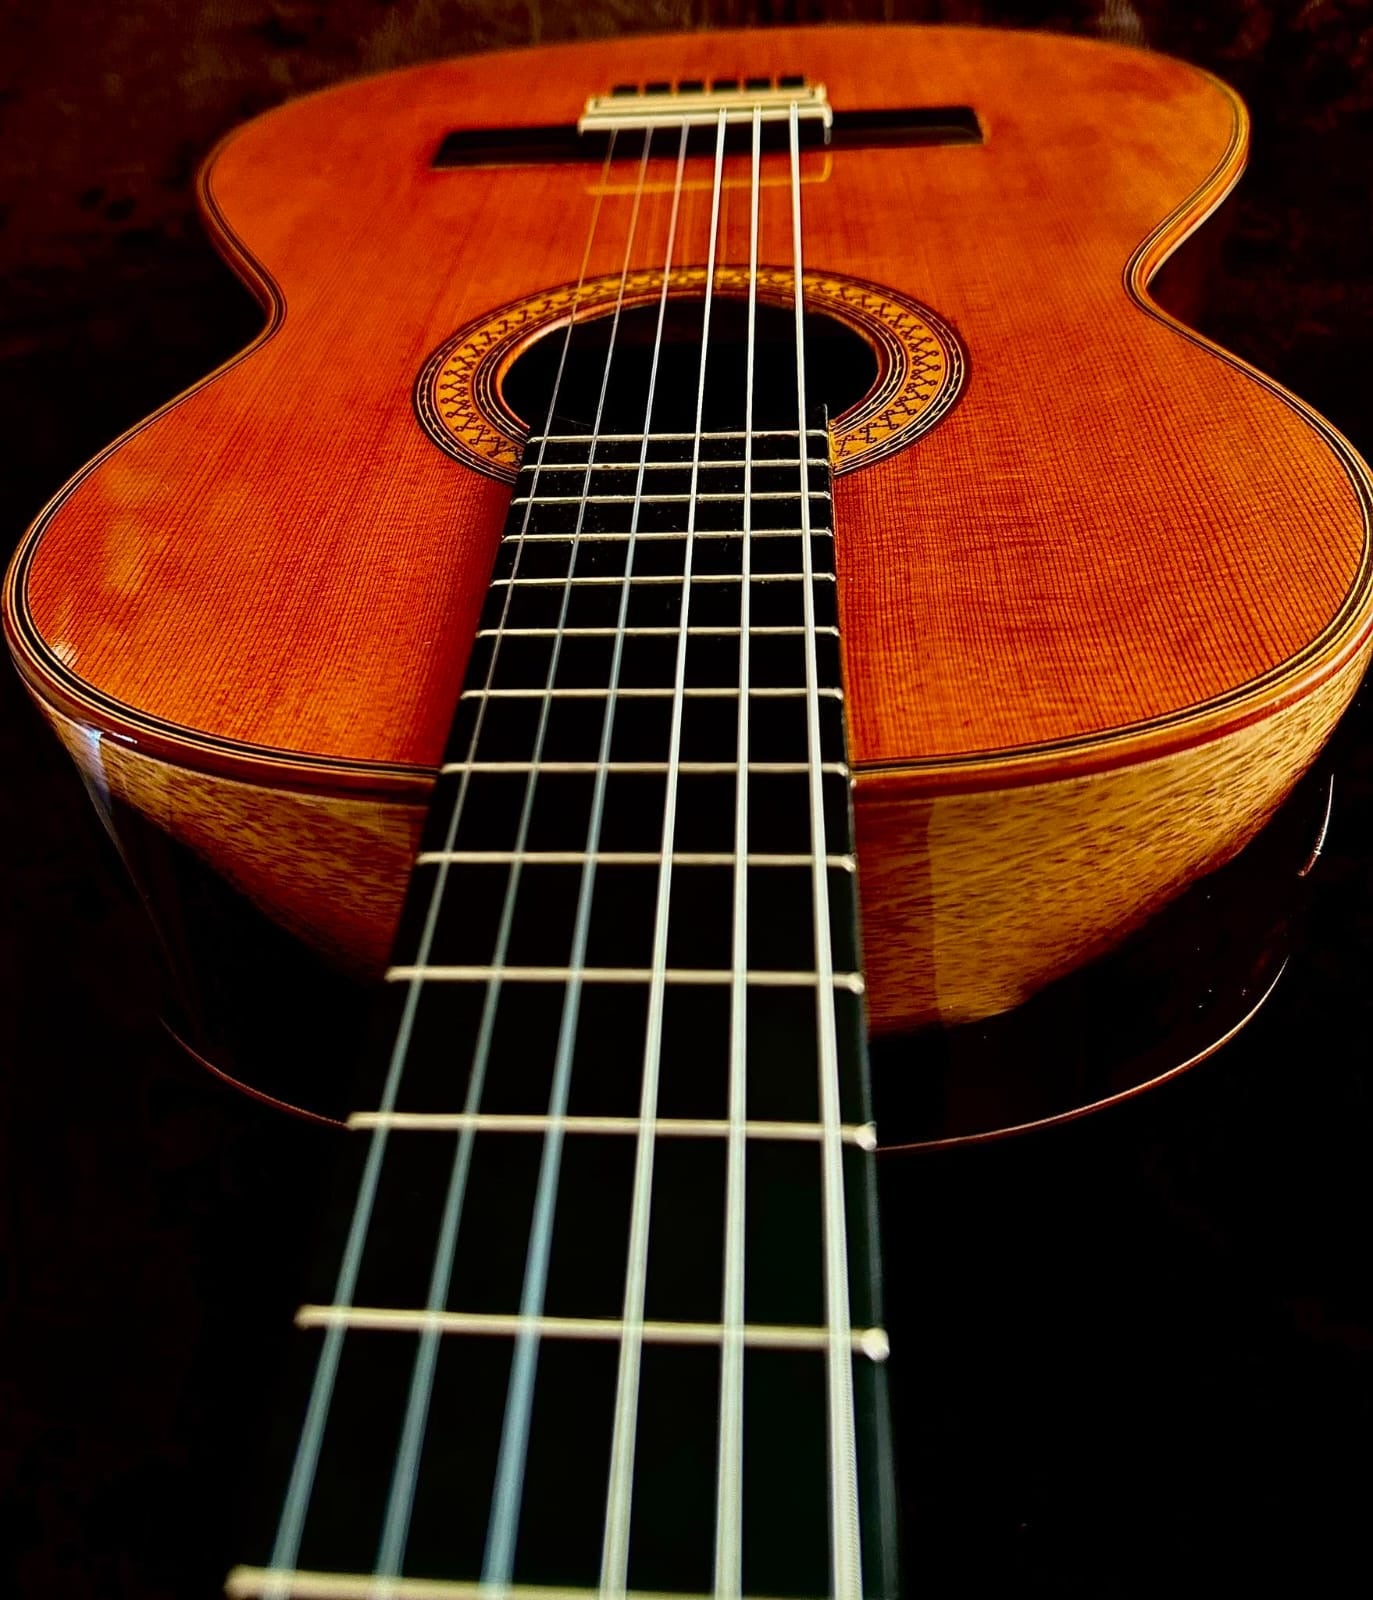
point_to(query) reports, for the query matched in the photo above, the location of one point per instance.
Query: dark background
(1135, 1353)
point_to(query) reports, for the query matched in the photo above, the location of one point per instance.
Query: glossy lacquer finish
(1094, 623)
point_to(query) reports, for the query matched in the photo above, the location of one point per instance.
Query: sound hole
(841, 368)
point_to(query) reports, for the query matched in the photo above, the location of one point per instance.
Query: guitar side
(1095, 623)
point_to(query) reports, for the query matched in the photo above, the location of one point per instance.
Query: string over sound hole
(841, 368)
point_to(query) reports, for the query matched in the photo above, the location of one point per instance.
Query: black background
(1135, 1353)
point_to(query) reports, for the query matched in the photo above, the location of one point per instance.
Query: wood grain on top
(1115, 526)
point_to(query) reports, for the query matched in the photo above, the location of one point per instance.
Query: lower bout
(974, 902)
(970, 902)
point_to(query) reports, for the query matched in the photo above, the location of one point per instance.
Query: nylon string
(405, 1476)
(845, 1547)
(498, 1561)
(300, 1485)
(729, 1480)
(619, 1486)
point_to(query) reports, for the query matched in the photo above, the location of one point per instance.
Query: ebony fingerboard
(615, 1179)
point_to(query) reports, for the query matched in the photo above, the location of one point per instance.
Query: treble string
(503, 1524)
(304, 1467)
(729, 1492)
(619, 1486)
(845, 1548)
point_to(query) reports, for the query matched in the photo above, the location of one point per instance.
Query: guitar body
(1103, 590)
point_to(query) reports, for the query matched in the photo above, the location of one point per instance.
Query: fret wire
(846, 1555)
(775, 631)
(620, 1476)
(780, 462)
(756, 693)
(700, 577)
(863, 1135)
(666, 499)
(762, 977)
(869, 1342)
(634, 858)
(289, 1583)
(833, 768)
(729, 1463)
(677, 438)
(498, 1561)
(661, 534)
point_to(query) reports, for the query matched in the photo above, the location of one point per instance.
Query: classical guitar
(685, 490)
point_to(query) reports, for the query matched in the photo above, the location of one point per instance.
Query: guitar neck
(605, 1316)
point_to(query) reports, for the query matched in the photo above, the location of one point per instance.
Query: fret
(648, 480)
(659, 535)
(622, 906)
(850, 981)
(861, 1135)
(282, 1583)
(701, 497)
(834, 768)
(707, 436)
(659, 578)
(639, 661)
(627, 451)
(611, 1040)
(721, 632)
(508, 730)
(560, 804)
(622, 919)
(871, 1343)
(754, 693)
(629, 858)
(576, 518)
(794, 463)
(771, 603)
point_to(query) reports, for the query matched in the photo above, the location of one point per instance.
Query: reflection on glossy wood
(1094, 623)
